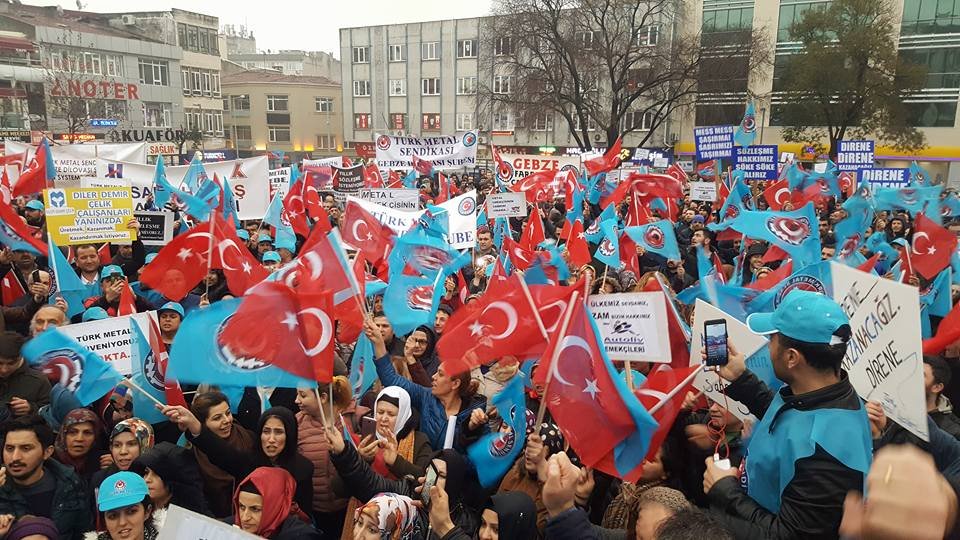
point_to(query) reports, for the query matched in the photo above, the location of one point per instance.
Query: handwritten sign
(703, 191)
(632, 325)
(507, 205)
(84, 215)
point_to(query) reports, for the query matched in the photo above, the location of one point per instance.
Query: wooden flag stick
(673, 392)
(129, 383)
(556, 355)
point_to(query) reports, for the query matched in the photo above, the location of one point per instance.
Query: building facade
(309, 63)
(268, 111)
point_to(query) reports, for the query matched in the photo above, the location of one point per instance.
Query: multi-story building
(237, 41)
(267, 110)
(60, 69)
(309, 63)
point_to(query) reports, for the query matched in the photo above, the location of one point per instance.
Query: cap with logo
(94, 313)
(110, 270)
(804, 316)
(120, 490)
(243, 234)
(271, 256)
(35, 205)
(264, 237)
(286, 243)
(171, 306)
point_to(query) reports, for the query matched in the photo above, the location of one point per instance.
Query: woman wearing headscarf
(506, 516)
(419, 351)
(263, 505)
(80, 443)
(172, 477)
(129, 439)
(278, 448)
(386, 516)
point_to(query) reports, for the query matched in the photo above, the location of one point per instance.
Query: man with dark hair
(692, 524)
(87, 261)
(936, 376)
(812, 444)
(23, 389)
(37, 485)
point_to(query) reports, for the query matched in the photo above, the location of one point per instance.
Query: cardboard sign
(884, 357)
(80, 216)
(713, 142)
(519, 166)
(76, 161)
(279, 181)
(887, 178)
(506, 205)
(758, 162)
(182, 524)
(445, 152)
(156, 228)
(633, 326)
(110, 338)
(398, 199)
(746, 343)
(462, 212)
(703, 191)
(854, 155)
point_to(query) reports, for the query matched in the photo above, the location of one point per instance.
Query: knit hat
(32, 525)
(670, 499)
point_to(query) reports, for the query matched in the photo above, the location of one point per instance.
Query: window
(398, 87)
(503, 46)
(648, 36)
(217, 126)
(430, 122)
(182, 35)
(542, 122)
(154, 72)
(466, 86)
(243, 133)
(156, 115)
(586, 39)
(361, 88)
(204, 41)
(206, 84)
(276, 103)
(90, 63)
(197, 82)
(466, 48)
(591, 124)
(215, 84)
(430, 50)
(241, 102)
(361, 121)
(326, 142)
(503, 121)
(397, 53)
(398, 121)
(638, 121)
(932, 114)
(501, 84)
(226, 103)
(114, 65)
(323, 104)
(193, 39)
(464, 121)
(187, 82)
(361, 55)
(214, 42)
(930, 17)
(278, 134)
(430, 87)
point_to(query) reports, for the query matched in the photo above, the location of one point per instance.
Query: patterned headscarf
(140, 429)
(396, 515)
(74, 417)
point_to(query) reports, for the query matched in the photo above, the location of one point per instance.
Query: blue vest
(772, 455)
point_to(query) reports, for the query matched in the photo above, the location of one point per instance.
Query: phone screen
(715, 337)
(368, 426)
(428, 482)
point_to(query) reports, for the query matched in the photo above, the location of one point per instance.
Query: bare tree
(619, 66)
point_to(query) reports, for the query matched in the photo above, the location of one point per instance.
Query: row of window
(502, 121)
(200, 82)
(196, 39)
(91, 63)
(275, 103)
(205, 121)
(280, 134)
(502, 84)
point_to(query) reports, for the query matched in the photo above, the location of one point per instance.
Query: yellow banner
(86, 215)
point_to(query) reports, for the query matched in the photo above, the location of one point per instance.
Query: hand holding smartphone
(715, 341)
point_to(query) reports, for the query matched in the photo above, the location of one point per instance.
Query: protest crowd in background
(505, 360)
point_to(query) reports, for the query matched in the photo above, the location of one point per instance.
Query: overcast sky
(289, 24)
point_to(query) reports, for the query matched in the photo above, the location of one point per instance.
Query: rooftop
(54, 17)
(260, 76)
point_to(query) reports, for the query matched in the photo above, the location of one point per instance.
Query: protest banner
(80, 216)
(746, 342)
(279, 181)
(519, 166)
(110, 338)
(248, 177)
(462, 212)
(104, 182)
(703, 191)
(757, 162)
(886, 178)
(347, 181)
(397, 199)
(854, 155)
(884, 356)
(156, 228)
(445, 152)
(632, 325)
(507, 204)
(180, 524)
(713, 142)
(76, 161)
(335, 161)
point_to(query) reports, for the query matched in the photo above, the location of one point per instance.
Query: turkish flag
(847, 183)
(294, 212)
(504, 171)
(676, 171)
(103, 253)
(181, 264)
(628, 255)
(777, 194)
(770, 280)
(239, 266)
(16, 160)
(577, 245)
(665, 389)
(774, 253)
(679, 340)
(520, 257)
(34, 178)
(533, 233)
(932, 247)
(870, 263)
(422, 166)
(541, 186)
(372, 179)
(394, 180)
(128, 304)
(947, 333)
(10, 289)
(5, 188)
(607, 162)
(365, 233)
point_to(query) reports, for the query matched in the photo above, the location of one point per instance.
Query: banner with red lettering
(520, 166)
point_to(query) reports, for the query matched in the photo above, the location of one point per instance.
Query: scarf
(403, 404)
(215, 479)
(89, 463)
(277, 488)
(396, 515)
(139, 428)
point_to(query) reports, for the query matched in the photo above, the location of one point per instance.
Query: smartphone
(35, 276)
(368, 426)
(715, 337)
(429, 481)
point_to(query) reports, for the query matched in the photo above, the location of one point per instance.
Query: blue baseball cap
(286, 243)
(172, 306)
(804, 316)
(271, 256)
(120, 490)
(35, 205)
(94, 314)
(149, 258)
(110, 270)
(243, 234)
(264, 237)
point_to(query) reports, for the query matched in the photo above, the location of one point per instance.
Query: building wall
(307, 63)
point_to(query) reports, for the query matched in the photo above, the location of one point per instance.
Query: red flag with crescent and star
(365, 233)
(932, 247)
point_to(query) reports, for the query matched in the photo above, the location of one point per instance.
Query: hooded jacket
(177, 467)
(945, 418)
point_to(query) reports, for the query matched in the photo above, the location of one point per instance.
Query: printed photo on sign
(632, 326)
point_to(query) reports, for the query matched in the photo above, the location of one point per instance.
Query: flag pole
(676, 389)
(556, 356)
(148, 395)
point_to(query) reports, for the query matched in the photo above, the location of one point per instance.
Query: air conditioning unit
(128, 20)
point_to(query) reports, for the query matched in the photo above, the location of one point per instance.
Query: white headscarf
(405, 412)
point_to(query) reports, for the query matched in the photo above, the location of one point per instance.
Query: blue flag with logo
(495, 452)
(162, 190)
(145, 372)
(657, 237)
(230, 204)
(935, 301)
(199, 356)
(795, 232)
(851, 231)
(911, 199)
(67, 281)
(195, 174)
(919, 176)
(81, 371)
(747, 130)
(410, 180)
(608, 250)
(594, 233)
(411, 301)
(363, 372)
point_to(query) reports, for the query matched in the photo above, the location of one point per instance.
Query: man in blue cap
(264, 244)
(812, 444)
(271, 260)
(169, 317)
(287, 248)
(112, 282)
(33, 212)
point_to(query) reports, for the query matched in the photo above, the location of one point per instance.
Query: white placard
(462, 213)
(633, 326)
(507, 204)
(703, 191)
(884, 357)
(182, 524)
(104, 182)
(444, 151)
(335, 161)
(279, 181)
(110, 337)
(746, 343)
(76, 161)
(522, 165)
(398, 199)
(156, 228)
